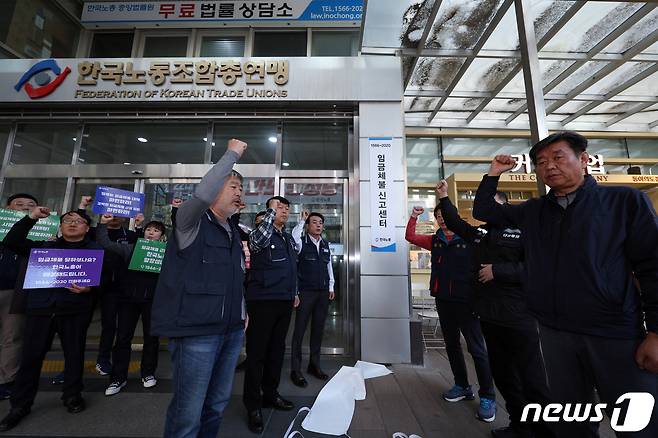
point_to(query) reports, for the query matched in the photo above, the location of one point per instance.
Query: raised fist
(417, 211)
(304, 215)
(274, 204)
(501, 164)
(85, 201)
(106, 218)
(176, 202)
(139, 220)
(237, 146)
(442, 189)
(39, 212)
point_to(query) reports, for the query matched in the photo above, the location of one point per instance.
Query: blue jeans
(203, 369)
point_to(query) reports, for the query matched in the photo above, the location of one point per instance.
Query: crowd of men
(556, 298)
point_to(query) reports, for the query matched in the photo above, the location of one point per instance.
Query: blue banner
(117, 202)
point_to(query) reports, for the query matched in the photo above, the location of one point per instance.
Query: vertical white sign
(381, 198)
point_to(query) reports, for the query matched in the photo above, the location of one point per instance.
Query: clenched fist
(501, 164)
(85, 201)
(442, 189)
(417, 211)
(237, 146)
(39, 213)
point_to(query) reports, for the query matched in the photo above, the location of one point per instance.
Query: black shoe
(75, 404)
(508, 432)
(278, 403)
(255, 421)
(298, 379)
(316, 372)
(13, 418)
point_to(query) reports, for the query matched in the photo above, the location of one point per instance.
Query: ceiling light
(75, 139)
(141, 139)
(213, 143)
(205, 139)
(126, 164)
(272, 139)
(286, 164)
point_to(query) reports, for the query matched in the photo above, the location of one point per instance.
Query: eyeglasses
(74, 221)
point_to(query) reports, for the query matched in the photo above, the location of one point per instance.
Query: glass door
(328, 197)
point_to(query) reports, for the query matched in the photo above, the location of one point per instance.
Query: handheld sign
(117, 202)
(148, 256)
(43, 230)
(50, 267)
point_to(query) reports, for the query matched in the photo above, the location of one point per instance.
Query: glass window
(44, 144)
(484, 147)
(222, 46)
(169, 46)
(38, 29)
(608, 147)
(49, 192)
(423, 160)
(644, 148)
(280, 44)
(261, 138)
(4, 135)
(315, 145)
(112, 45)
(255, 193)
(143, 143)
(450, 168)
(158, 197)
(338, 43)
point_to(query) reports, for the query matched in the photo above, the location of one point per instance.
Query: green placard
(43, 230)
(148, 256)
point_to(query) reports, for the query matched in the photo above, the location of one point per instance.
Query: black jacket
(451, 277)
(582, 261)
(501, 300)
(49, 301)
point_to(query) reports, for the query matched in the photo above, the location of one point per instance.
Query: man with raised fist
(591, 255)
(199, 300)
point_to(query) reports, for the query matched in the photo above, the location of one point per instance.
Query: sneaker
(487, 410)
(458, 393)
(149, 381)
(103, 370)
(115, 388)
(58, 379)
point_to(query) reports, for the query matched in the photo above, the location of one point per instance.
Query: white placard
(382, 204)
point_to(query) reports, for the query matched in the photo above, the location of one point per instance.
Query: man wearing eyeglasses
(65, 311)
(11, 325)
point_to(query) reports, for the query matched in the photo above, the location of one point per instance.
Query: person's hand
(442, 189)
(39, 212)
(417, 211)
(304, 215)
(501, 164)
(106, 218)
(274, 204)
(646, 355)
(296, 303)
(85, 201)
(139, 220)
(79, 290)
(176, 202)
(332, 295)
(485, 274)
(237, 146)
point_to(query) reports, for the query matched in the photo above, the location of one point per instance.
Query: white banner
(382, 203)
(202, 13)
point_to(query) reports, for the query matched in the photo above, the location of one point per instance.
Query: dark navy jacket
(582, 261)
(312, 267)
(200, 288)
(273, 270)
(451, 278)
(9, 267)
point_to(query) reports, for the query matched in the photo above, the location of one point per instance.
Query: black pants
(129, 314)
(39, 334)
(313, 306)
(457, 318)
(579, 364)
(518, 371)
(266, 346)
(109, 314)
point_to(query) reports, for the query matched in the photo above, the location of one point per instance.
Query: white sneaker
(149, 381)
(101, 370)
(115, 388)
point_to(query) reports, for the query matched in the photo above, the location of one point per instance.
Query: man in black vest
(316, 289)
(271, 295)
(198, 302)
(11, 325)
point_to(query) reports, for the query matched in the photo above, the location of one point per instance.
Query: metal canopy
(462, 61)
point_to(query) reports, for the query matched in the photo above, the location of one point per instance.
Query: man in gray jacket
(198, 302)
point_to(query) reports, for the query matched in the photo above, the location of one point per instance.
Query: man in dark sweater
(65, 311)
(11, 325)
(587, 248)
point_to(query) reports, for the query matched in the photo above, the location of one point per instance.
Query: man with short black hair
(316, 289)
(591, 277)
(11, 325)
(62, 310)
(271, 294)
